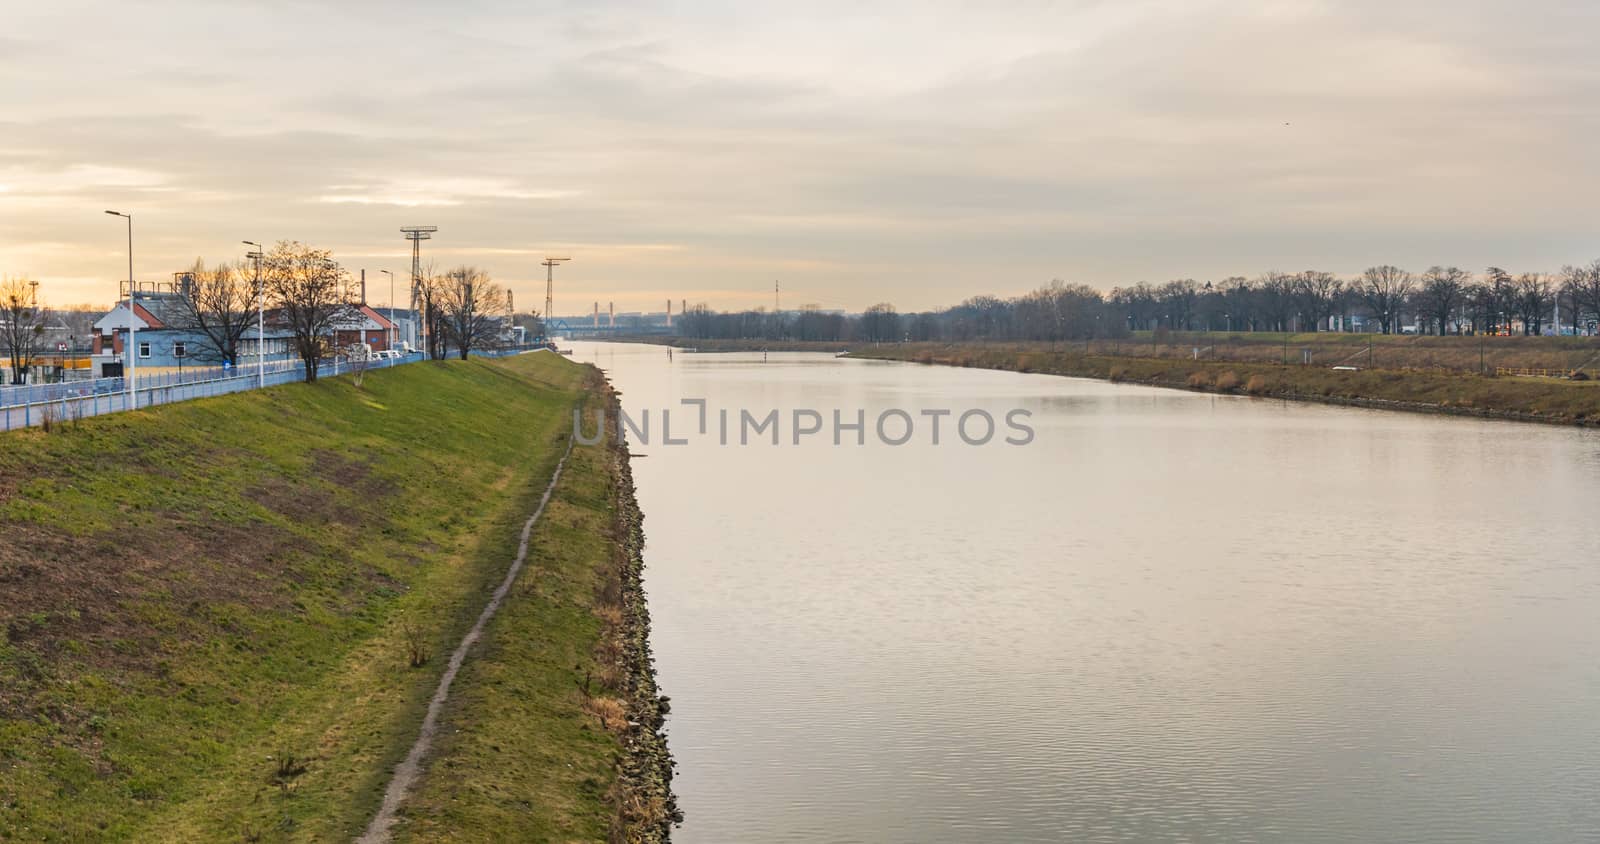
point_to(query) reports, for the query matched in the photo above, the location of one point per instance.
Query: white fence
(22, 407)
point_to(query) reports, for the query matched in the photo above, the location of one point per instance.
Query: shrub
(1117, 373)
(1199, 380)
(1257, 385)
(417, 654)
(609, 711)
(1228, 380)
(289, 768)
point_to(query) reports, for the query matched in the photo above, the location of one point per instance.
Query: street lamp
(130, 353)
(390, 344)
(261, 316)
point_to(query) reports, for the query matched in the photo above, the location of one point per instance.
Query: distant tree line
(1383, 299)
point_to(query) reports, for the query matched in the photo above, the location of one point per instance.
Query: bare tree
(1318, 293)
(880, 323)
(1502, 291)
(472, 308)
(1238, 303)
(531, 322)
(1384, 289)
(21, 325)
(1275, 296)
(218, 303)
(435, 328)
(307, 290)
(1536, 297)
(1583, 286)
(1443, 289)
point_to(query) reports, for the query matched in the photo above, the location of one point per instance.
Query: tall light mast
(417, 234)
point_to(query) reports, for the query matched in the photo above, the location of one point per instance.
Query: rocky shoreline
(647, 808)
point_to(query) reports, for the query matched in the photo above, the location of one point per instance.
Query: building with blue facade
(162, 343)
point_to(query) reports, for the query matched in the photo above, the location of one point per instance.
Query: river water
(1168, 617)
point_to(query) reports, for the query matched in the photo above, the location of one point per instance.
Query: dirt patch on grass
(89, 599)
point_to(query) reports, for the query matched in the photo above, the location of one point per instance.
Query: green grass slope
(209, 609)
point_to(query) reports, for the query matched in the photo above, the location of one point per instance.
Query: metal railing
(70, 401)
(1536, 372)
(38, 393)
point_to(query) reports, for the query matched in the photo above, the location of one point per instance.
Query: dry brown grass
(1257, 385)
(611, 712)
(1228, 380)
(1199, 380)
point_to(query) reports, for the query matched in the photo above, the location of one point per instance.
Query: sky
(853, 152)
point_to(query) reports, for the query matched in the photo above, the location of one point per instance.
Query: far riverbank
(1518, 398)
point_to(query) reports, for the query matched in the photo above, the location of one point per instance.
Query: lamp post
(261, 316)
(130, 354)
(390, 344)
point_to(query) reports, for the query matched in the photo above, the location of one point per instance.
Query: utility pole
(131, 353)
(261, 316)
(390, 274)
(417, 234)
(550, 291)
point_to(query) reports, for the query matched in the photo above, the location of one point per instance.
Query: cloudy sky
(914, 152)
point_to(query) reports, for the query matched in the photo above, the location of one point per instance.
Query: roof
(382, 321)
(150, 320)
(152, 313)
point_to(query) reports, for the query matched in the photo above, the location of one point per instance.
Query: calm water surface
(1171, 617)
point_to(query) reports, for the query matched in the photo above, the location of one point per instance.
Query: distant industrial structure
(597, 324)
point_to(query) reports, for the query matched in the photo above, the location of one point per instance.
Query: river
(1169, 616)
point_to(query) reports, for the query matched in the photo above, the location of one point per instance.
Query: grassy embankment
(211, 609)
(1461, 354)
(1535, 399)
(1427, 374)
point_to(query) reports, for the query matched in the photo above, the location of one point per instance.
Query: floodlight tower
(550, 289)
(417, 234)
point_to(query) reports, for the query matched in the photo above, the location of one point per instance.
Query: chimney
(611, 321)
(363, 287)
(669, 313)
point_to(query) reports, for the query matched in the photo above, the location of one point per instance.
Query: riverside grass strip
(520, 751)
(209, 607)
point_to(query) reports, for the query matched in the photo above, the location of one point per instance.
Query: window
(144, 350)
(180, 349)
